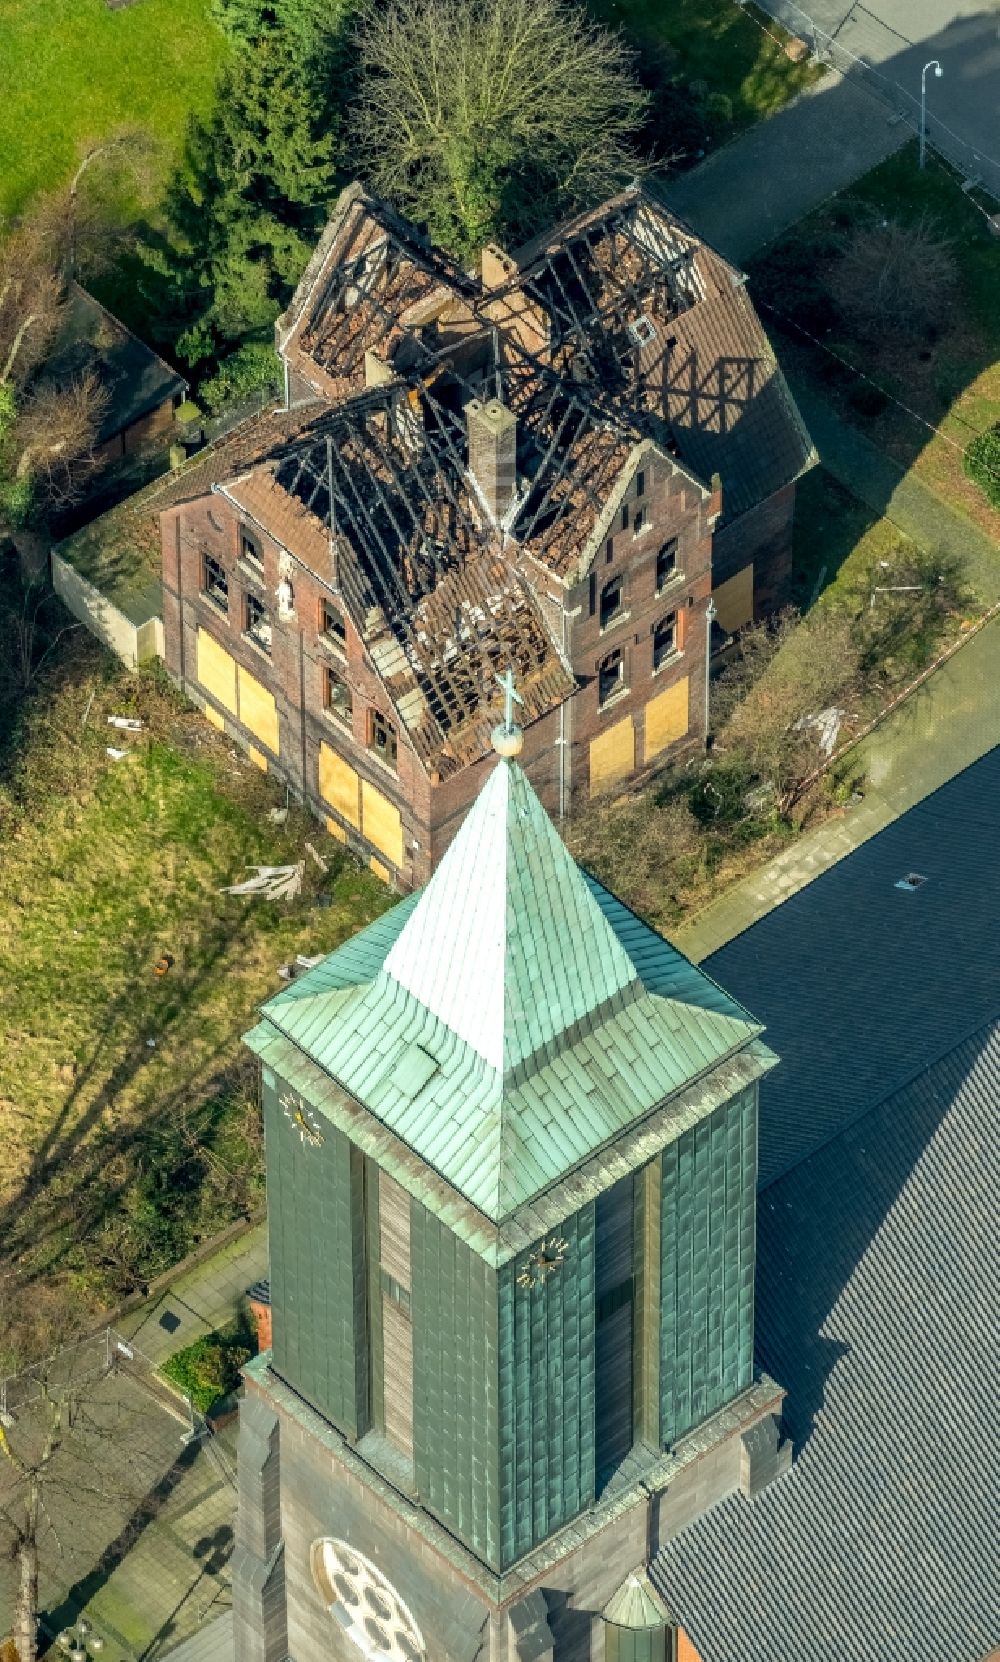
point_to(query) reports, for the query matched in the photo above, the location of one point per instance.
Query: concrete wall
(131, 642)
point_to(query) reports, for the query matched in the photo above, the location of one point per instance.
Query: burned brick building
(547, 466)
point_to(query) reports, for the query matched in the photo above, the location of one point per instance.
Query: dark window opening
(640, 483)
(250, 548)
(331, 622)
(640, 521)
(609, 551)
(666, 564)
(610, 677)
(382, 738)
(612, 601)
(664, 640)
(624, 516)
(337, 700)
(258, 624)
(215, 582)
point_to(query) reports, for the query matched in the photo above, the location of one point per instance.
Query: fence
(77, 1368)
(977, 168)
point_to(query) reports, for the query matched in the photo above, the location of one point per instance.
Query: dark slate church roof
(878, 1276)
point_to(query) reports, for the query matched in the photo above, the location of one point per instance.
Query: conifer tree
(255, 181)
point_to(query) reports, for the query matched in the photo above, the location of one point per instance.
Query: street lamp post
(938, 71)
(710, 617)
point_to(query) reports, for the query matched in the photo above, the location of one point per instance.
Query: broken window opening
(610, 677)
(664, 640)
(382, 738)
(214, 582)
(257, 626)
(612, 601)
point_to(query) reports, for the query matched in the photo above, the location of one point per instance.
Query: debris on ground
(116, 755)
(826, 724)
(317, 857)
(271, 882)
(163, 963)
(278, 816)
(298, 966)
(128, 724)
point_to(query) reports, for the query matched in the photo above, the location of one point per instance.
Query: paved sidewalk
(952, 720)
(751, 190)
(873, 477)
(203, 1299)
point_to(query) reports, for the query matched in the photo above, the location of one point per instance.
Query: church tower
(511, 1158)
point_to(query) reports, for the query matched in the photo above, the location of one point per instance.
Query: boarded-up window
(397, 1329)
(338, 785)
(258, 710)
(666, 718)
(612, 756)
(614, 1289)
(216, 671)
(734, 600)
(381, 823)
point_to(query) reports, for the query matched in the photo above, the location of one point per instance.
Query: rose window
(366, 1605)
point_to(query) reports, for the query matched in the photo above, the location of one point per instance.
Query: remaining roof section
(507, 946)
(92, 341)
(373, 285)
(507, 1034)
(878, 1307)
(638, 306)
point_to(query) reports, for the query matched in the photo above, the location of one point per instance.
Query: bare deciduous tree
(487, 116)
(55, 437)
(894, 278)
(31, 301)
(67, 1437)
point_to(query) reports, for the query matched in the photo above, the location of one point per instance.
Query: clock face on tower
(548, 1256)
(365, 1604)
(302, 1117)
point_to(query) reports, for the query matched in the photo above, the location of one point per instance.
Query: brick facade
(299, 1483)
(402, 818)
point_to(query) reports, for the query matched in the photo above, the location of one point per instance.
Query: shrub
(210, 1368)
(253, 368)
(982, 464)
(894, 279)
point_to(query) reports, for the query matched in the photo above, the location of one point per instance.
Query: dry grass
(109, 1074)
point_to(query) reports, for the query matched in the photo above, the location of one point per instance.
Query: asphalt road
(897, 37)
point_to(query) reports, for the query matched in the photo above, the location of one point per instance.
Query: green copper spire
(507, 946)
(510, 1021)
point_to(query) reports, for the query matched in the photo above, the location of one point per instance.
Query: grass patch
(128, 1120)
(950, 380)
(75, 73)
(706, 55)
(209, 1369)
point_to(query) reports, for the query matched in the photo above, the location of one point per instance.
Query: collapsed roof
(617, 335)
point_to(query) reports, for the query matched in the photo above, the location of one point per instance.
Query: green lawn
(733, 51)
(949, 381)
(73, 73)
(128, 1124)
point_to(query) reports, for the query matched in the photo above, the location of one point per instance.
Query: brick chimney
(495, 267)
(493, 453)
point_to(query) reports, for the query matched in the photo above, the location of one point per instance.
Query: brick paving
(201, 1300)
(142, 1521)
